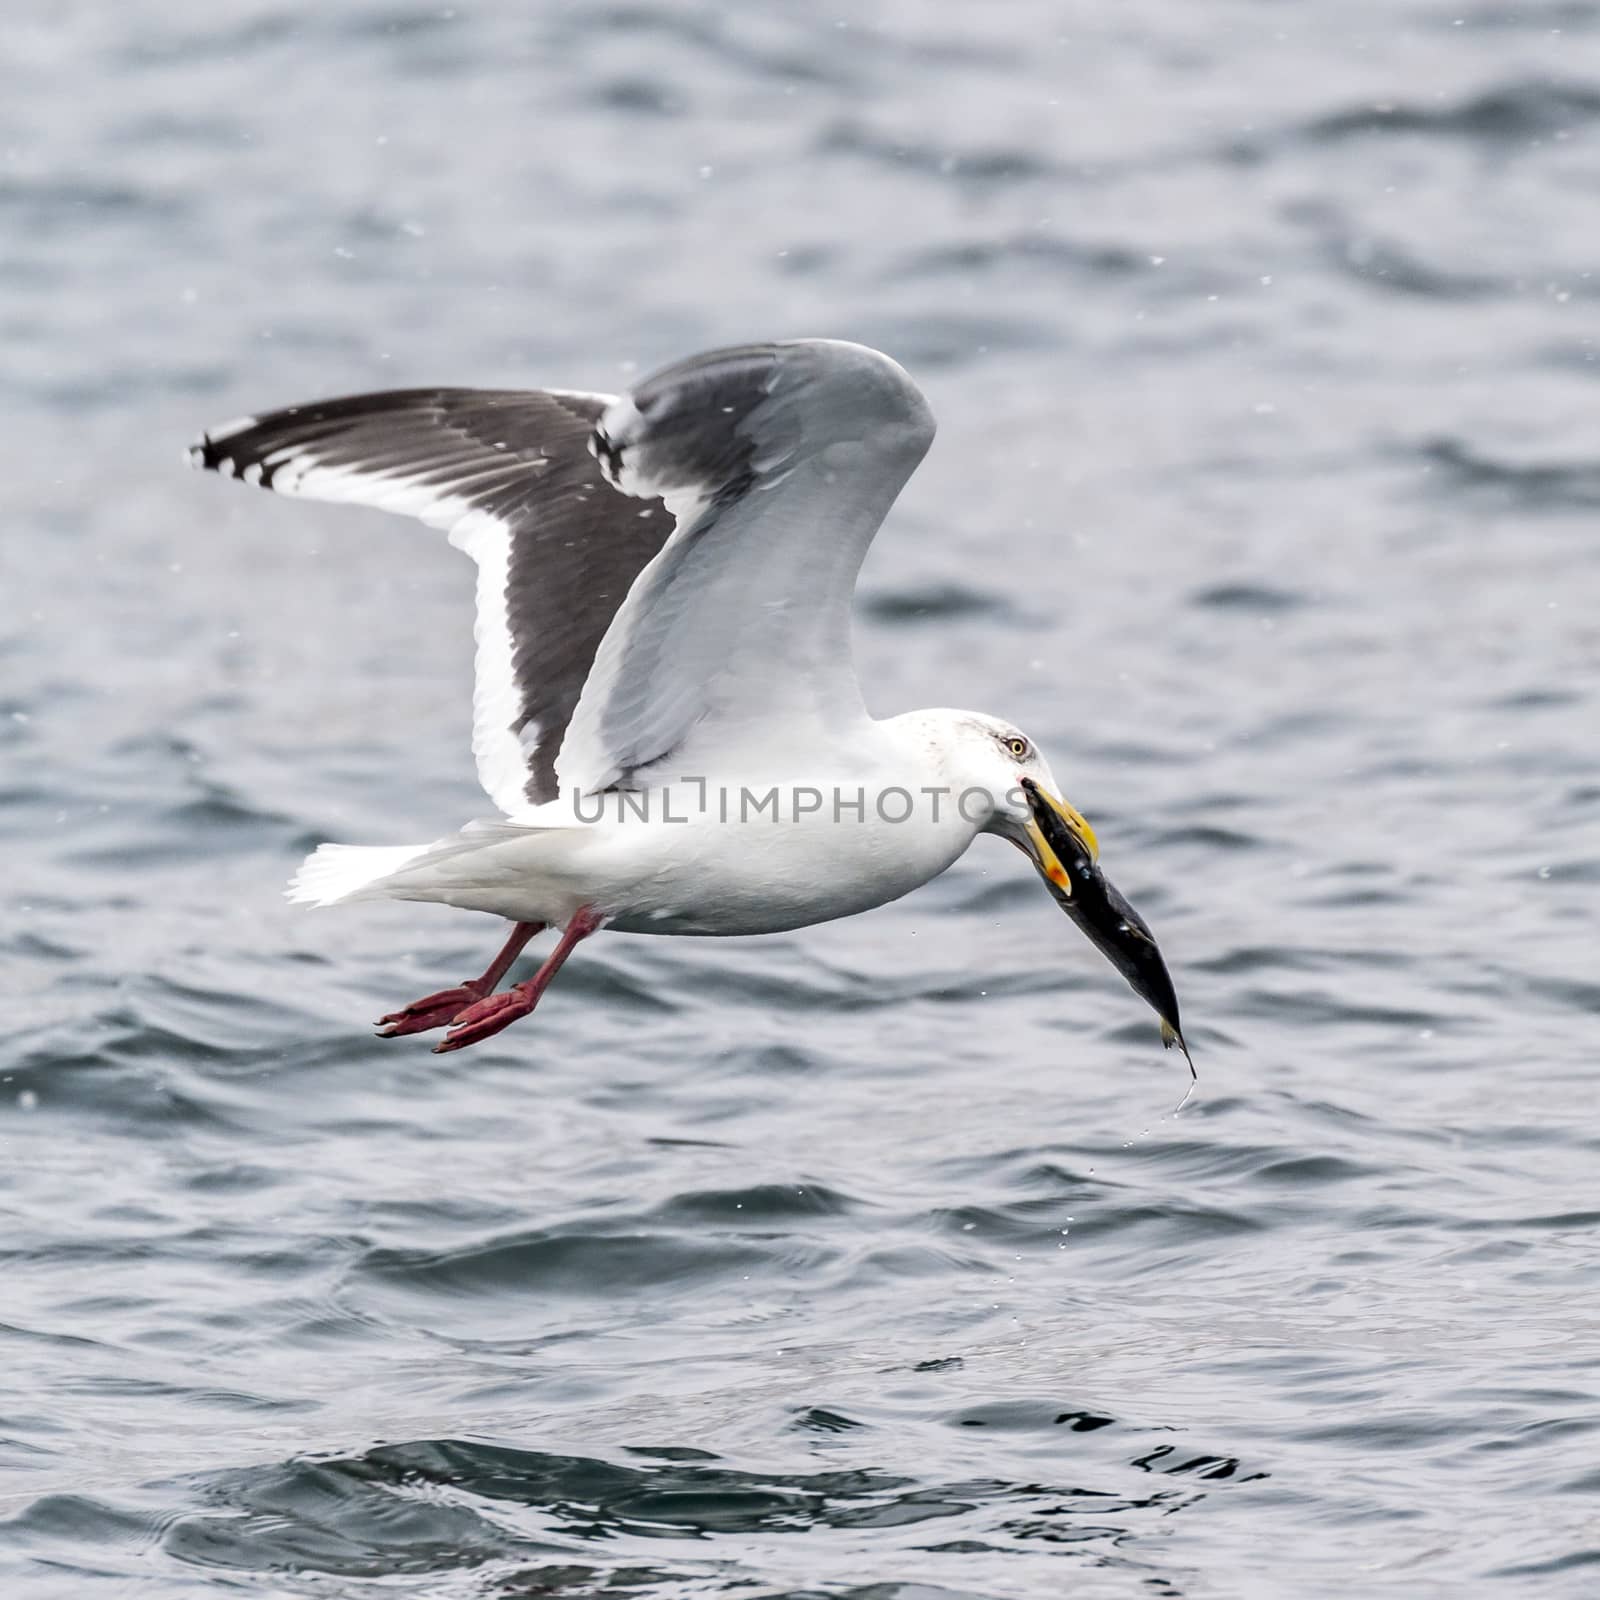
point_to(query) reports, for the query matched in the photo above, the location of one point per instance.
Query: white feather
(338, 872)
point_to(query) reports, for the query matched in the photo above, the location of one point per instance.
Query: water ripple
(1262, 496)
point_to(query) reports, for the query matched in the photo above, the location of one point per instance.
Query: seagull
(666, 710)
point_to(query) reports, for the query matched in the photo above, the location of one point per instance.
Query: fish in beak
(1063, 847)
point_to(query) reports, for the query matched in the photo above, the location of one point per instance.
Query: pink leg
(435, 1010)
(498, 1011)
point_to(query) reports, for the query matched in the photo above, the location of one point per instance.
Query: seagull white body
(666, 710)
(733, 846)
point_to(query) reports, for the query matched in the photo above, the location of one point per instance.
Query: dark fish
(1100, 910)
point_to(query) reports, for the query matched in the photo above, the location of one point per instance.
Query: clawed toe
(476, 1011)
(432, 1011)
(485, 1019)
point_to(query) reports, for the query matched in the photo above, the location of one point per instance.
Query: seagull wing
(512, 476)
(778, 462)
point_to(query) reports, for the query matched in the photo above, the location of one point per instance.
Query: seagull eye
(1018, 746)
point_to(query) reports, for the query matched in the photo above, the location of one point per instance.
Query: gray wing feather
(778, 462)
(511, 474)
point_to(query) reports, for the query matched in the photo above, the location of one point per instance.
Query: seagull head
(1030, 811)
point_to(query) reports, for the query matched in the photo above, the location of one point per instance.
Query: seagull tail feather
(334, 873)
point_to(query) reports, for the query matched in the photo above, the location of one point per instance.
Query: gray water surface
(867, 1261)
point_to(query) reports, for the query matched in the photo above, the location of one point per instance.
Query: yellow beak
(1066, 852)
(1076, 824)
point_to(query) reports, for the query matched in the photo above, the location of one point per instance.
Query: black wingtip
(213, 452)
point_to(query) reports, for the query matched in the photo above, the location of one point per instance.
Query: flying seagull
(666, 711)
